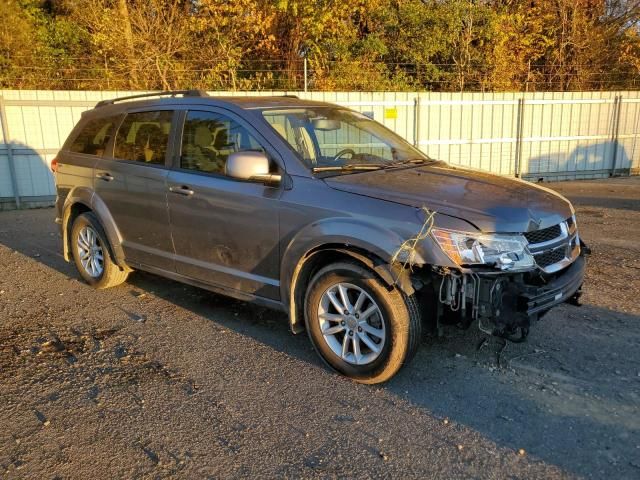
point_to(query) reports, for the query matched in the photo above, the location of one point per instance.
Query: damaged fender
(339, 235)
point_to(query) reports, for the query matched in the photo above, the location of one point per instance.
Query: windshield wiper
(348, 167)
(411, 161)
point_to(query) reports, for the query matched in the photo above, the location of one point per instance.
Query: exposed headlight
(505, 252)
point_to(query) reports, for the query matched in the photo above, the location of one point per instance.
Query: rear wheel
(91, 253)
(359, 327)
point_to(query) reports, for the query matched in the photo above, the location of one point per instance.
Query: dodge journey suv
(317, 210)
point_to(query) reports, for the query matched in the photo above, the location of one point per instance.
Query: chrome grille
(544, 235)
(550, 257)
(555, 247)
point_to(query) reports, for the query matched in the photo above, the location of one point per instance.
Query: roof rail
(172, 93)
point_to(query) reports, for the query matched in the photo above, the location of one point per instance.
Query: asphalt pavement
(158, 379)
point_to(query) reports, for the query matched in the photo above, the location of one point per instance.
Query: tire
(85, 228)
(392, 332)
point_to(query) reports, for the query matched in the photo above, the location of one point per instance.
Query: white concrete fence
(550, 136)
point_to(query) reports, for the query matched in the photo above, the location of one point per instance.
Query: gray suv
(317, 210)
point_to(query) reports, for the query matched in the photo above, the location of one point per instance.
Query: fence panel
(566, 136)
(470, 129)
(628, 149)
(6, 187)
(553, 136)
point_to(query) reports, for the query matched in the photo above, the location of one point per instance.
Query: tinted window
(208, 138)
(94, 136)
(143, 137)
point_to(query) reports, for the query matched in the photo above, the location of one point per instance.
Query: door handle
(106, 176)
(183, 190)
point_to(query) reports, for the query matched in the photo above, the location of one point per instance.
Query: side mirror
(252, 167)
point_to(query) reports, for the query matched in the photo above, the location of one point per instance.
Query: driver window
(294, 131)
(209, 138)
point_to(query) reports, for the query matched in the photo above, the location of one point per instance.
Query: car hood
(489, 202)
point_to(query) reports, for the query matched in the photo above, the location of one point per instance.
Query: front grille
(554, 247)
(544, 235)
(551, 256)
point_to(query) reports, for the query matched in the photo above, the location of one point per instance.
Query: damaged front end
(513, 289)
(505, 304)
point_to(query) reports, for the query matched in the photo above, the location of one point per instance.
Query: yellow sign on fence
(391, 113)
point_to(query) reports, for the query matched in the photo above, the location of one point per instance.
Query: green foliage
(449, 45)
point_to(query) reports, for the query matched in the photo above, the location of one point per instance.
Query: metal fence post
(519, 135)
(306, 82)
(7, 141)
(617, 109)
(416, 122)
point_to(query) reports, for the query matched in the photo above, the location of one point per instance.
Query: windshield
(332, 137)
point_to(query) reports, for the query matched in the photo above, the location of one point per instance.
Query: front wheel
(91, 253)
(358, 326)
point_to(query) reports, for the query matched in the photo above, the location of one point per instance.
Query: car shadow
(594, 158)
(569, 393)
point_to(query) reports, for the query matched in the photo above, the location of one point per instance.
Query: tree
(349, 44)
(310, 29)
(446, 43)
(521, 41)
(143, 42)
(16, 49)
(230, 35)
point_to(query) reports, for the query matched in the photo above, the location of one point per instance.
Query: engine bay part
(505, 305)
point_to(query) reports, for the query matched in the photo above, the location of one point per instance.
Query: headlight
(505, 252)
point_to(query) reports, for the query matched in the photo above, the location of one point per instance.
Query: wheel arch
(82, 200)
(313, 260)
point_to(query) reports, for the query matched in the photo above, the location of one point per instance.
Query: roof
(200, 97)
(281, 101)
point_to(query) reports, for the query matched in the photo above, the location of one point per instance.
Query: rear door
(78, 157)
(225, 231)
(132, 184)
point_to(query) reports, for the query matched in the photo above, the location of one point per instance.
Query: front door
(132, 184)
(225, 231)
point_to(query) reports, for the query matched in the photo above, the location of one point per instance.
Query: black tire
(112, 274)
(400, 314)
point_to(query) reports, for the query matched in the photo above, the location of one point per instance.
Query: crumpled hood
(490, 202)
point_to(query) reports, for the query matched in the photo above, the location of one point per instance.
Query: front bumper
(536, 300)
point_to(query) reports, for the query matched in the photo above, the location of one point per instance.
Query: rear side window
(143, 137)
(94, 136)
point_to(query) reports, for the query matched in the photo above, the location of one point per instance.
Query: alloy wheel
(351, 323)
(90, 251)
